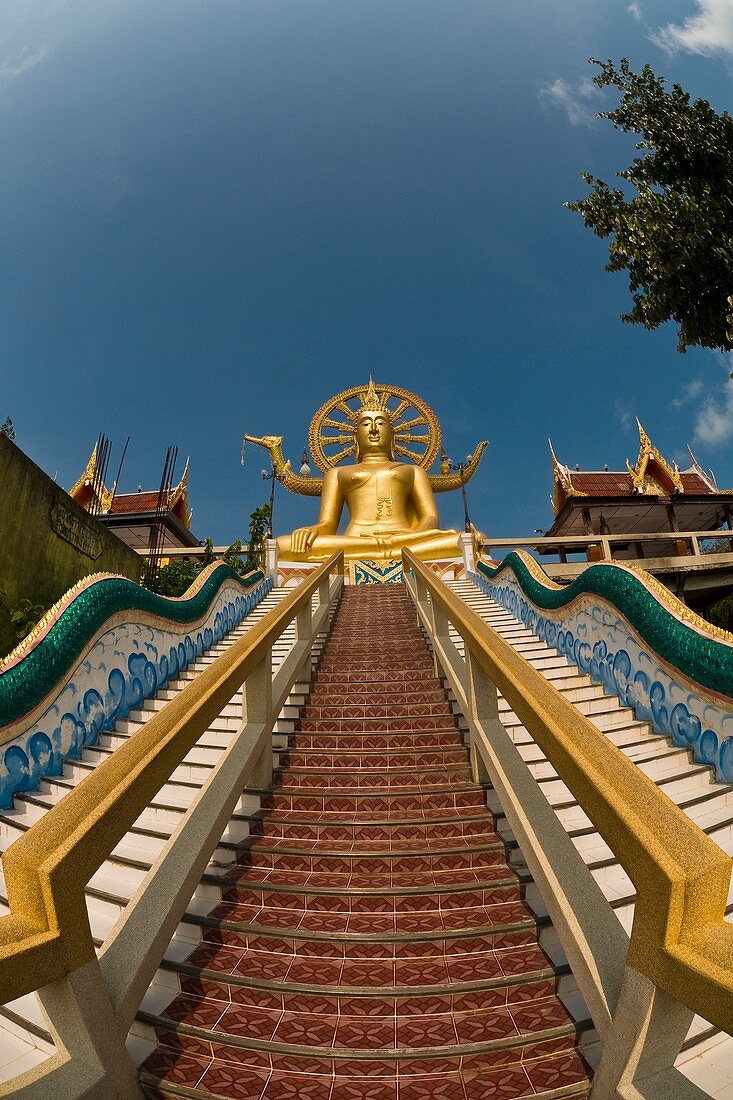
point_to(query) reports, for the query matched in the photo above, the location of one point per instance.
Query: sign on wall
(73, 529)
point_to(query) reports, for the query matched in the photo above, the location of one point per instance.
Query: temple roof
(90, 490)
(652, 475)
(612, 483)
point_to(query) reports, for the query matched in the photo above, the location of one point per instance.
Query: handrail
(585, 540)
(680, 940)
(47, 933)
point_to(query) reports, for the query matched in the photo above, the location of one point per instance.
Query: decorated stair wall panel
(108, 645)
(627, 632)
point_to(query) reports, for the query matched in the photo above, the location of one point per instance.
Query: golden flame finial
(372, 401)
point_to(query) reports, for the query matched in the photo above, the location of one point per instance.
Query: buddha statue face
(374, 435)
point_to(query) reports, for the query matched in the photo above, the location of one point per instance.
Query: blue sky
(214, 216)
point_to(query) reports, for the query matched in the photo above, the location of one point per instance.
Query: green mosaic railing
(50, 658)
(688, 646)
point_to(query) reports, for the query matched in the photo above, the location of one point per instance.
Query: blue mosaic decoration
(616, 630)
(102, 680)
(378, 572)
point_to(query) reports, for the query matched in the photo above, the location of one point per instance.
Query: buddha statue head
(374, 433)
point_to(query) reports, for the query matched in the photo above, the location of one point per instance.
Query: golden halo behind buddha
(416, 428)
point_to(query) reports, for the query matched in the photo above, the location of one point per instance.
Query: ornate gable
(89, 491)
(652, 474)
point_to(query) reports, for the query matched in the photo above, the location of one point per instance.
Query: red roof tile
(135, 502)
(614, 483)
(608, 483)
(693, 483)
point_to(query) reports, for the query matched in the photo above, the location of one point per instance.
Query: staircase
(692, 786)
(370, 939)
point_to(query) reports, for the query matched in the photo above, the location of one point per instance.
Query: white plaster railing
(133, 656)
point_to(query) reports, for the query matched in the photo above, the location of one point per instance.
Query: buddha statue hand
(303, 538)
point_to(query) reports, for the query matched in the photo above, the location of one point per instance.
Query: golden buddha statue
(391, 504)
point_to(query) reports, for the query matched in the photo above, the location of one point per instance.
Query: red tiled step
(547, 1069)
(351, 711)
(352, 680)
(485, 1077)
(411, 692)
(377, 863)
(406, 724)
(362, 741)
(269, 891)
(355, 845)
(356, 832)
(432, 760)
(537, 1010)
(372, 758)
(378, 806)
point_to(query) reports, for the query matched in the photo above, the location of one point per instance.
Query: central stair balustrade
(641, 992)
(46, 943)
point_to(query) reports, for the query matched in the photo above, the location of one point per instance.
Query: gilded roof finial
(644, 440)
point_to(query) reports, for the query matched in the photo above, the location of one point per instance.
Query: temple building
(132, 515)
(651, 496)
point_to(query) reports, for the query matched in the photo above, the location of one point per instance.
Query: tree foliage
(674, 235)
(259, 526)
(721, 613)
(177, 577)
(6, 428)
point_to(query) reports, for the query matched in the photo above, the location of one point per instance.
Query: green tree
(259, 525)
(674, 235)
(209, 555)
(721, 613)
(176, 578)
(231, 557)
(6, 428)
(23, 617)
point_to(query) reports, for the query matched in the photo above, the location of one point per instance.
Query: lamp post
(271, 477)
(459, 468)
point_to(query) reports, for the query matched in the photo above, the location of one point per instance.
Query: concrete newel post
(421, 597)
(257, 710)
(465, 541)
(271, 560)
(639, 1051)
(305, 635)
(92, 1059)
(484, 707)
(440, 632)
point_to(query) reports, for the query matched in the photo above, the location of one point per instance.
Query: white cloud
(714, 423)
(634, 9)
(22, 63)
(689, 393)
(625, 416)
(714, 420)
(708, 31)
(575, 99)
